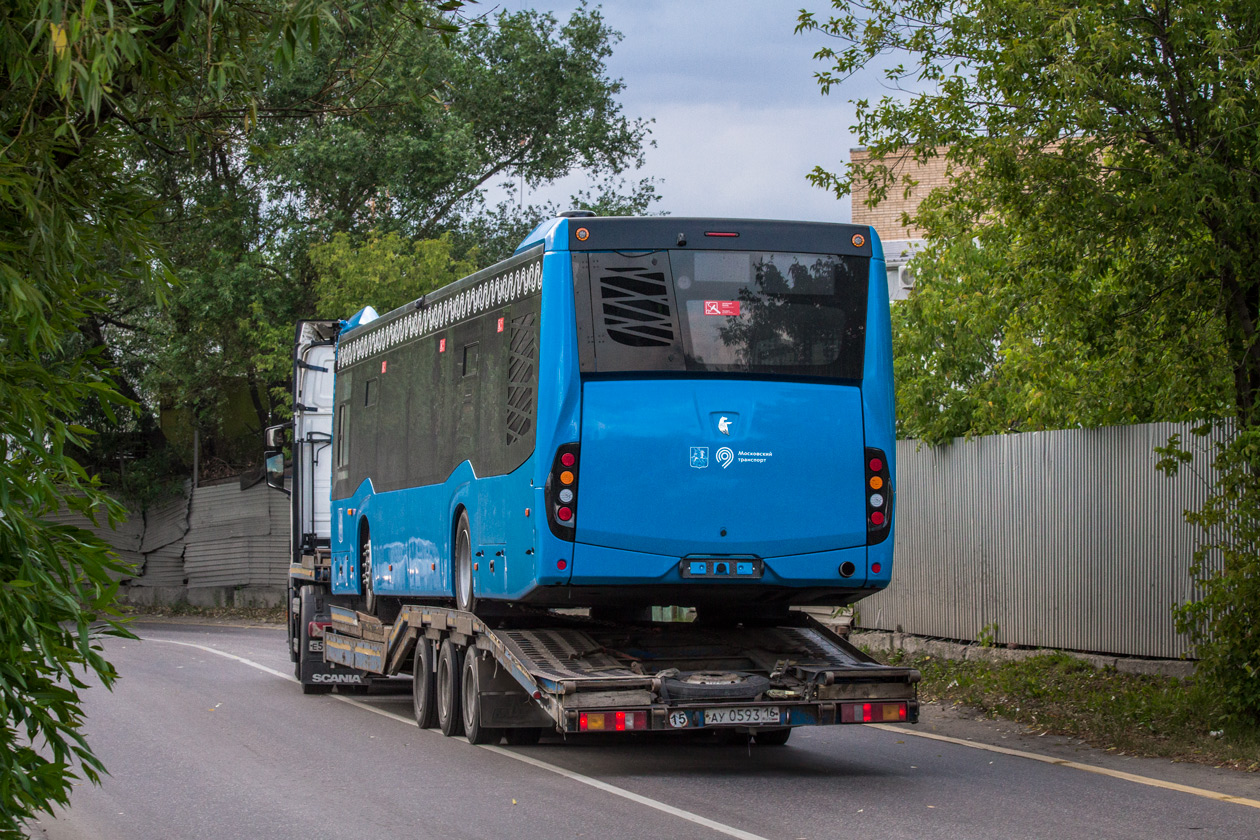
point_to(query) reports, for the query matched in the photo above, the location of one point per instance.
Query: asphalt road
(203, 745)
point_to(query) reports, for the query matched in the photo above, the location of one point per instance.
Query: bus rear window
(753, 312)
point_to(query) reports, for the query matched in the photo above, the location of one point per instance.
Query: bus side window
(342, 435)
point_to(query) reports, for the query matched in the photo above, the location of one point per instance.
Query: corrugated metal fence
(215, 536)
(1066, 539)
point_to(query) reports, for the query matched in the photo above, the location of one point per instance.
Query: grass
(1131, 714)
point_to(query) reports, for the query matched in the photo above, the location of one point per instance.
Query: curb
(882, 641)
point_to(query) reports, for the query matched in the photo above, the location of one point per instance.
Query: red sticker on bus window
(500, 325)
(382, 365)
(721, 307)
(441, 345)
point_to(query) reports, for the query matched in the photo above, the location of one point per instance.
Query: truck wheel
(308, 609)
(464, 598)
(772, 737)
(292, 614)
(423, 697)
(476, 733)
(365, 573)
(450, 721)
(526, 737)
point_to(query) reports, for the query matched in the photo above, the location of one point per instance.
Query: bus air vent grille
(522, 369)
(636, 306)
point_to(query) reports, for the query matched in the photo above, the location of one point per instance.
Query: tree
(84, 85)
(425, 122)
(384, 272)
(1094, 260)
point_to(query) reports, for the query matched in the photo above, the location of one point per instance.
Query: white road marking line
(722, 828)
(735, 832)
(1075, 765)
(730, 831)
(251, 663)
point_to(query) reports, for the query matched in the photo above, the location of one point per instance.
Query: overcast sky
(739, 119)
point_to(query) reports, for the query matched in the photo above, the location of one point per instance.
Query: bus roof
(650, 233)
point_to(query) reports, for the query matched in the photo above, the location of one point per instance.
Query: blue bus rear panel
(694, 485)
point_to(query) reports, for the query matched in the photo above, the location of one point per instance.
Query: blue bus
(627, 412)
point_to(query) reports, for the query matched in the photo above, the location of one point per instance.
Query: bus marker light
(566, 477)
(564, 514)
(858, 240)
(877, 500)
(500, 325)
(583, 234)
(876, 465)
(876, 483)
(875, 567)
(562, 564)
(722, 233)
(441, 345)
(877, 518)
(567, 459)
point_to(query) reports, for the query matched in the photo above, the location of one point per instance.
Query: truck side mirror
(275, 471)
(273, 436)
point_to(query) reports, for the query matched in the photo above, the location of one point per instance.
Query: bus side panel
(879, 410)
(559, 420)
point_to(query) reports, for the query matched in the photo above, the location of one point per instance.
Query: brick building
(900, 241)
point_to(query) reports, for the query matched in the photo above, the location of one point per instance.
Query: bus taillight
(878, 492)
(561, 491)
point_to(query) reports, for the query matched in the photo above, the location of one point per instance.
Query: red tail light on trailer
(612, 721)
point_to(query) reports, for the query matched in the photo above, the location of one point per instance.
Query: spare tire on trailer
(713, 685)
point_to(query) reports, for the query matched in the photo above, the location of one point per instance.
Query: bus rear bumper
(608, 575)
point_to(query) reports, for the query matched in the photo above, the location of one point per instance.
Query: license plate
(746, 717)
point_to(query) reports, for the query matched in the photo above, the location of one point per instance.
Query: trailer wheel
(524, 737)
(450, 721)
(423, 696)
(465, 599)
(772, 737)
(308, 608)
(476, 733)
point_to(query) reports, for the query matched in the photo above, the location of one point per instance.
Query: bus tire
(308, 609)
(471, 707)
(423, 695)
(365, 571)
(465, 597)
(450, 721)
(772, 737)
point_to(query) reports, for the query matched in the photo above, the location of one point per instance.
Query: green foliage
(384, 135)
(1096, 257)
(384, 272)
(85, 86)
(1224, 623)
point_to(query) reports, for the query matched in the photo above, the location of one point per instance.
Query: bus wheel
(464, 598)
(423, 697)
(365, 572)
(477, 734)
(450, 721)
